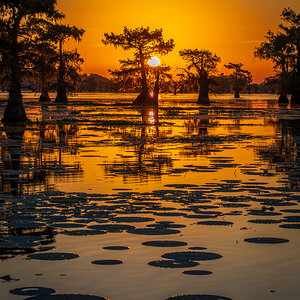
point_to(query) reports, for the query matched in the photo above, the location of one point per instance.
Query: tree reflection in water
(284, 154)
(145, 164)
(32, 157)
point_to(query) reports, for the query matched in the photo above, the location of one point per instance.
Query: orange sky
(230, 28)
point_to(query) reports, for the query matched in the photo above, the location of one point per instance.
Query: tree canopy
(145, 43)
(240, 78)
(283, 49)
(205, 63)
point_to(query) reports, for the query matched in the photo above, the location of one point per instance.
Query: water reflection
(32, 158)
(284, 153)
(145, 163)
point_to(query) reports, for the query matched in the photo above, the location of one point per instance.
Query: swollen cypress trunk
(61, 96)
(144, 97)
(14, 111)
(203, 97)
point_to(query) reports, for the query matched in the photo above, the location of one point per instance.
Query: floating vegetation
(116, 248)
(197, 272)
(32, 291)
(173, 264)
(131, 219)
(52, 256)
(266, 240)
(191, 255)
(107, 262)
(164, 244)
(66, 297)
(264, 221)
(291, 226)
(153, 231)
(83, 232)
(197, 248)
(111, 227)
(218, 223)
(107, 148)
(198, 297)
(255, 212)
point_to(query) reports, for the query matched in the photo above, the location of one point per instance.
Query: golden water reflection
(98, 161)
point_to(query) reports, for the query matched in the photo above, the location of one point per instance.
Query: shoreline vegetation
(32, 52)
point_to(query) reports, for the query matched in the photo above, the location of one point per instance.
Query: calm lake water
(185, 188)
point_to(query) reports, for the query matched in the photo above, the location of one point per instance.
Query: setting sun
(154, 61)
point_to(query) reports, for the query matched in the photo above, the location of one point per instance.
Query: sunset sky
(230, 28)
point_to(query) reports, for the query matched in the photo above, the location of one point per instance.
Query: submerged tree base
(61, 97)
(295, 98)
(144, 99)
(14, 112)
(283, 99)
(44, 96)
(203, 100)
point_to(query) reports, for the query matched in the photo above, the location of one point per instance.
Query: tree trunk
(283, 98)
(156, 90)
(44, 95)
(295, 99)
(61, 96)
(144, 97)
(14, 111)
(237, 95)
(203, 98)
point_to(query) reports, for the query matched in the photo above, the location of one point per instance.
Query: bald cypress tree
(240, 78)
(204, 62)
(144, 43)
(17, 18)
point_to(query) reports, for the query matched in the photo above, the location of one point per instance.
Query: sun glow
(154, 61)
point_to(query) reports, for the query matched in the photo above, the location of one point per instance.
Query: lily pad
(218, 223)
(164, 244)
(107, 262)
(83, 232)
(153, 231)
(291, 226)
(53, 256)
(264, 221)
(192, 255)
(197, 248)
(266, 240)
(116, 248)
(197, 272)
(173, 264)
(67, 225)
(198, 297)
(131, 219)
(66, 297)
(111, 227)
(32, 291)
